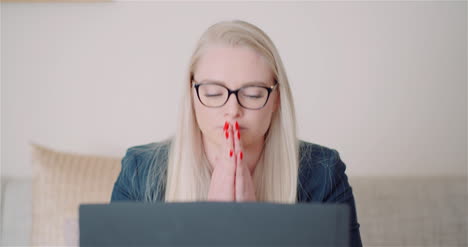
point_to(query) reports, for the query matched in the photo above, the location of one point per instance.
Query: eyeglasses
(214, 95)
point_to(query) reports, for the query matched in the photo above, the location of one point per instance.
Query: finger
(240, 181)
(229, 136)
(238, 143)
(240, 166)
(245, 189)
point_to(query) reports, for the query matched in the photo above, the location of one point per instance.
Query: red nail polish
(238, 135)
(230, 153)
(241, 155)
(237, 126)
(227, 134)
(226, 125)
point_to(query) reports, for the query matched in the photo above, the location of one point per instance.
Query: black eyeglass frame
(270, 89)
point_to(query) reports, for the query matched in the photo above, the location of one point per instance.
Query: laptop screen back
(213, 224)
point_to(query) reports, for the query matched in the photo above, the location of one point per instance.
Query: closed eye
(254, 96)
(212, 95)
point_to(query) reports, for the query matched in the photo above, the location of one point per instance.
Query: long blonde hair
(188, 173)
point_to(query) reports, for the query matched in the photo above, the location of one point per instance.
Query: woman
(236, 138)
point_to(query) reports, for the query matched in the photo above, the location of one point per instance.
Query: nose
(232, 107)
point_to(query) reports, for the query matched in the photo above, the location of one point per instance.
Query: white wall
(384, 83)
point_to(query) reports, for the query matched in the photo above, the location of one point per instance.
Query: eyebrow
(250, 83)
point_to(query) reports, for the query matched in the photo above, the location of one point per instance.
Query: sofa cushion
(412, 210)
(61, 182)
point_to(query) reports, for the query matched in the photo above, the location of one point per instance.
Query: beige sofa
(392, 211)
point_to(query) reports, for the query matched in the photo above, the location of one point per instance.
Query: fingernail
(238, 135)
(241, 155)
(237, 126)
(226, 125)
(227, 134)
(230, 153)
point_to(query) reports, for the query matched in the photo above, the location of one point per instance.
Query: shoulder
(138, 159)
(146, 151)
(321, 173)
(135, 167)
(312, 155)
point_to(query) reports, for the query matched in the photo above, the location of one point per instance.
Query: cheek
(262, 123)
(199, 113)
(266, 116)
(265, 122)
(203, 116)
(267, 112)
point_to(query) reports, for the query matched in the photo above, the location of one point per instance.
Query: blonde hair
(188, 173)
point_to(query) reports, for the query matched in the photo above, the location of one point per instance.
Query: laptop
(213, 224)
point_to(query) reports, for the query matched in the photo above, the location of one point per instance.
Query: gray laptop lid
(213, 224)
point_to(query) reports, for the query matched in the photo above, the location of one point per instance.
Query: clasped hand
(231, 179)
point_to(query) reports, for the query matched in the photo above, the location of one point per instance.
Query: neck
(251, 152)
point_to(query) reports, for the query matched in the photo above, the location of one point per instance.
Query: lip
(242, 128)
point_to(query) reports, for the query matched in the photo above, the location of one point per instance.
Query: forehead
(232, 66)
